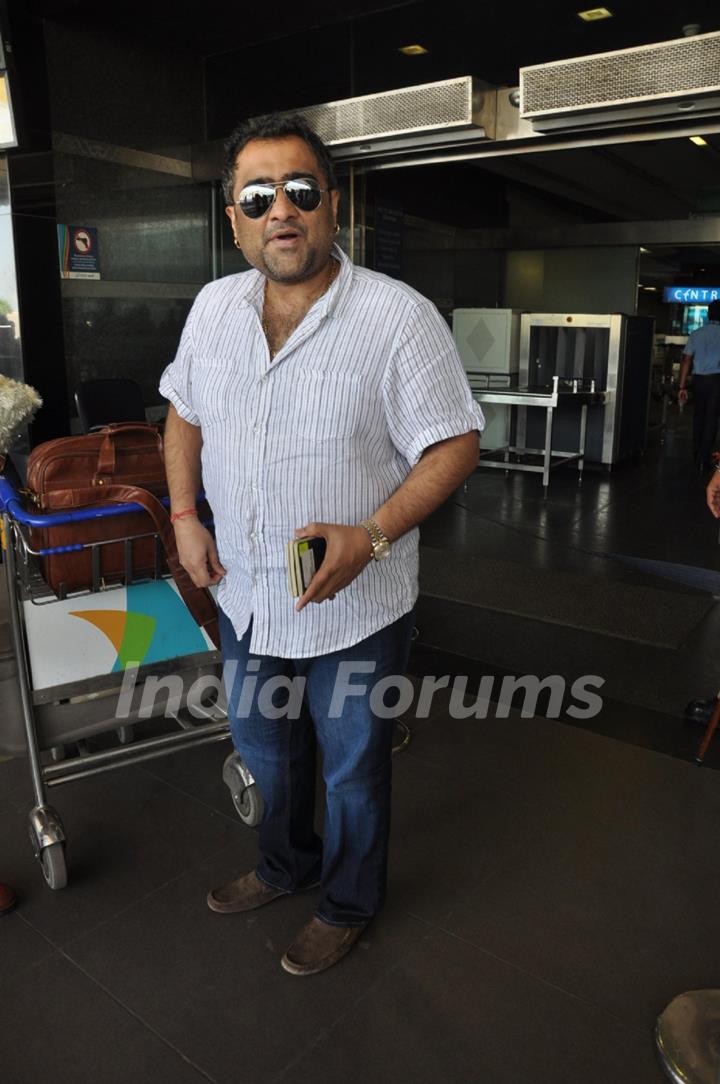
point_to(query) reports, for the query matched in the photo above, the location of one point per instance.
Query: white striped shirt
(325, 431)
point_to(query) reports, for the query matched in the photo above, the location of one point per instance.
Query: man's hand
(348, 552)
(197, 552)
(713, 494)
(685, 367)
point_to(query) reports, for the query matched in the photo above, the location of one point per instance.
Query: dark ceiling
(491, 40)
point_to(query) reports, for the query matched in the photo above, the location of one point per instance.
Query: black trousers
(706, 412)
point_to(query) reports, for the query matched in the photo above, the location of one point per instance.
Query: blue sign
(691, 295)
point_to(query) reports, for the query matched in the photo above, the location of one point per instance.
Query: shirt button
(253, 536)
(253, 487)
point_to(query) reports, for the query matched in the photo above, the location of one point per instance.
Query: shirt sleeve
(426, 392)
(176, 381)
(691, 345)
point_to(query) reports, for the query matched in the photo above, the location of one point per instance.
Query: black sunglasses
(257, 199)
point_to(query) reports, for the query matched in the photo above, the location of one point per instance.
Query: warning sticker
(78, 252)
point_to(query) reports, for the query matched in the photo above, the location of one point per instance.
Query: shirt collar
(340, 286)
(251, 285)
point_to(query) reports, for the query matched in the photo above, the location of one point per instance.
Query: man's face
(288, 245)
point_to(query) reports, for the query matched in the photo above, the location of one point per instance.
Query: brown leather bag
(67, 473)
(121, 463)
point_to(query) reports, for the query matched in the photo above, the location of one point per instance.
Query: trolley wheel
(401, 736)
(244, 791)
(54, 866)
(249, 805)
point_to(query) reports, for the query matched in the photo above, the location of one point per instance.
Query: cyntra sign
(691, 295)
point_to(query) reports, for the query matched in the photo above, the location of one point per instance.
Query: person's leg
(281, 754)
(357, 754)
(712, 413)
(699, 399)
(706, 407)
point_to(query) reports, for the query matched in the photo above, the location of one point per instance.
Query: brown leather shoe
(7, 899)
(243, 894)
(318, 946)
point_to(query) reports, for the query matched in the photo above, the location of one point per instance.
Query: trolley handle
(11, 504)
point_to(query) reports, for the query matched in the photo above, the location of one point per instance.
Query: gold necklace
(334, 267)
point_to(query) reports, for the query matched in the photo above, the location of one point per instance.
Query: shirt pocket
(221, 390)
(330, 405)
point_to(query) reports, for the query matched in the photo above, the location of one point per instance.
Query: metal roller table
(564, 393)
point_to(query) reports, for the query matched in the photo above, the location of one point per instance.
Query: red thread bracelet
(181, 515)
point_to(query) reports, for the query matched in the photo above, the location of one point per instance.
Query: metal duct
(652, 82)
(450, 104)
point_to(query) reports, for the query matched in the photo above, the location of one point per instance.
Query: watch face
(382, 549)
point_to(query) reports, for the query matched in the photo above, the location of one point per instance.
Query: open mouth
(286, 237)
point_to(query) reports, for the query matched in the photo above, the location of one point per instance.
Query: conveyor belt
(566, 393)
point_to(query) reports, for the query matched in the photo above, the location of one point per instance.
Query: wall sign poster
(78, 252)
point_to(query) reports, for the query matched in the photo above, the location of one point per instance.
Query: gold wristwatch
(380, 542)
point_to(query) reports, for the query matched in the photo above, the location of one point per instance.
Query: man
(702, 352)
(712, 492)
(324, 400)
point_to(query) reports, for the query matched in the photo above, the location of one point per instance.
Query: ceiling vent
(453, 104)
(669, 80)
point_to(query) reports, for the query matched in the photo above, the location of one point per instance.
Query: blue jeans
(351, 860)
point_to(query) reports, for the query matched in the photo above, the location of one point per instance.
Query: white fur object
(18, 403)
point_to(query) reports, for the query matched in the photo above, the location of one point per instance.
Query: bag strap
(198, 600)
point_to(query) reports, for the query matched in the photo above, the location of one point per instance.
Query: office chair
(104, 401)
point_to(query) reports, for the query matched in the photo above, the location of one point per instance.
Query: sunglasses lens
(256, 199)
(304, 193)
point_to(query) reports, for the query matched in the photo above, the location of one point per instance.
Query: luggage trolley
(92, 663)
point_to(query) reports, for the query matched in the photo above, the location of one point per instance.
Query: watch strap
(377, 536)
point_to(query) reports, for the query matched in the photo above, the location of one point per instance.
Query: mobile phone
(304, 557)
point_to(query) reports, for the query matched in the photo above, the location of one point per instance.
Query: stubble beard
(277, 268)
(277, 271)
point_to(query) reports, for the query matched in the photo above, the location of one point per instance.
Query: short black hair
(274, 126)
(714, 310)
